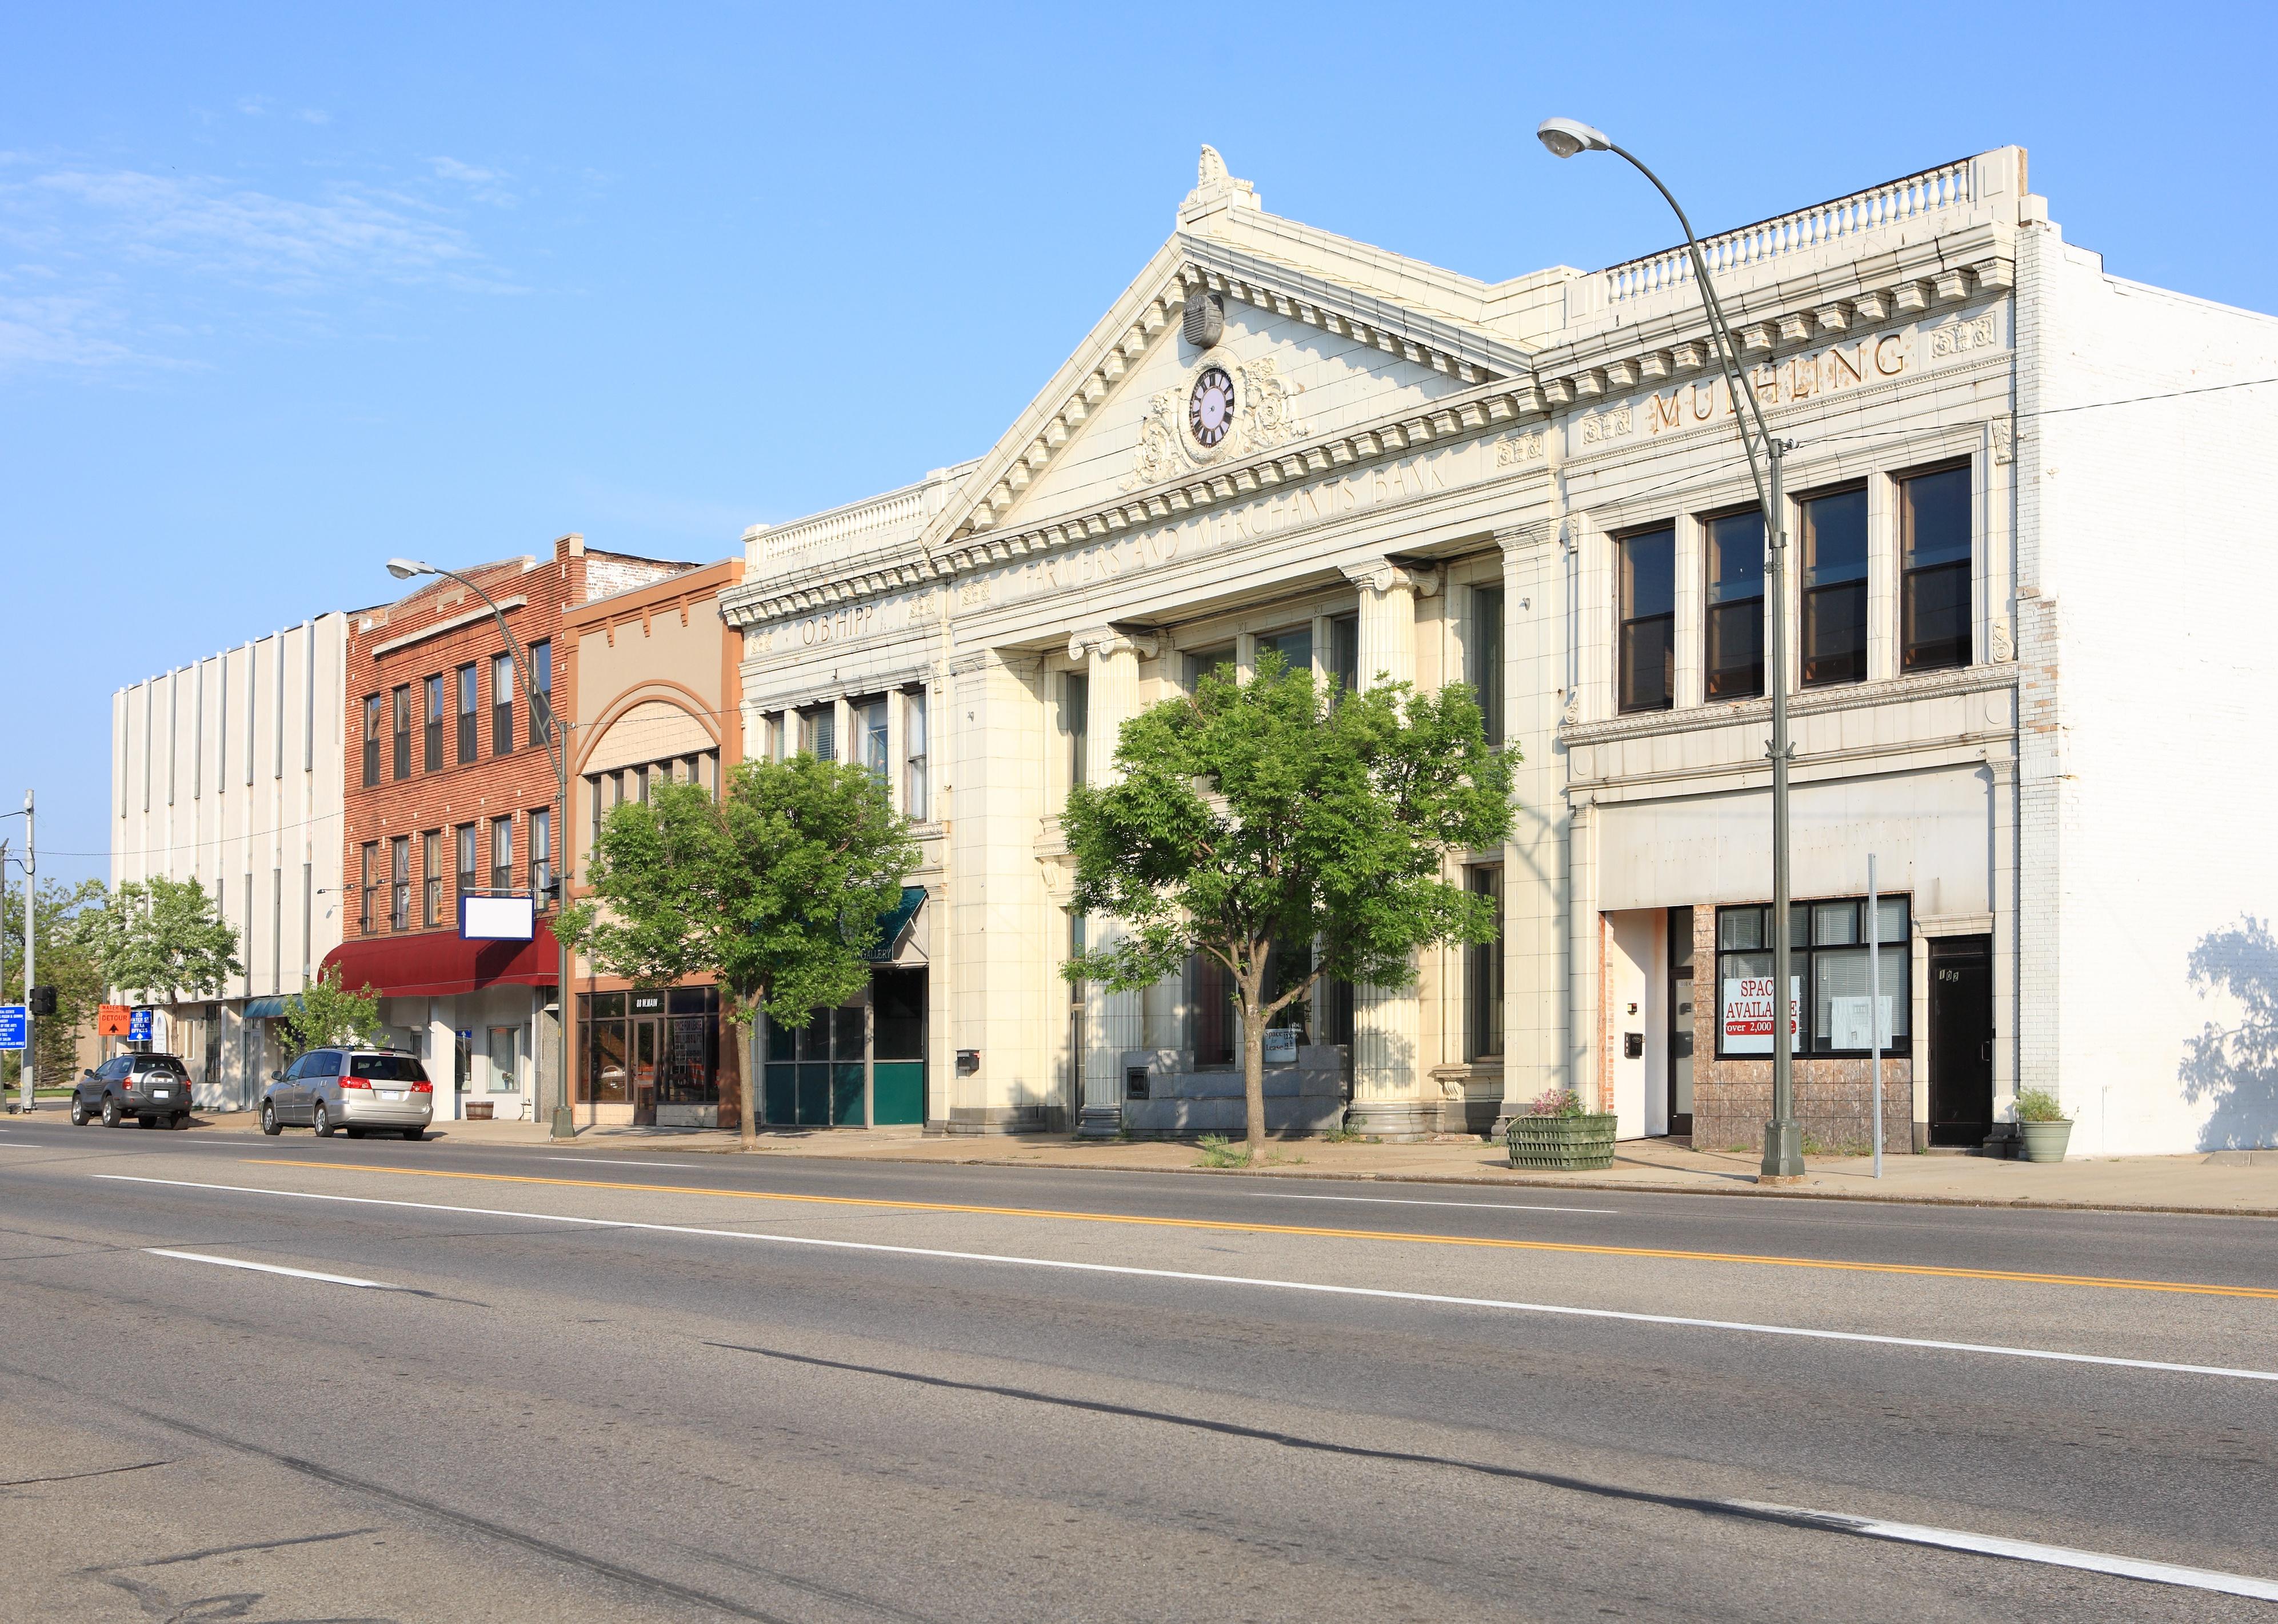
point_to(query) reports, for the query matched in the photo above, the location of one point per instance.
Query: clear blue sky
(286, 290)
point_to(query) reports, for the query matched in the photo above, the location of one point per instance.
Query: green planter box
(2045, 1141)
(1560, 1144)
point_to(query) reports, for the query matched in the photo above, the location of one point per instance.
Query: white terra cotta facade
(2030, 572)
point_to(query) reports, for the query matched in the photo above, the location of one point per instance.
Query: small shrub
(1339, 1135)
(1216, 1152)
(1555, 1102)
(2039, 1105)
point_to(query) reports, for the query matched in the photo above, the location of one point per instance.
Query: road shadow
(2236, 1067)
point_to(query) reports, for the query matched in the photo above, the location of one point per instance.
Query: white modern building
(229, 772)
(2028, 589)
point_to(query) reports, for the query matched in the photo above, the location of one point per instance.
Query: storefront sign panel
(1747, 1014)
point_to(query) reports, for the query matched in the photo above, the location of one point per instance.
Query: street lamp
(565, 1117)
(1783, 1136)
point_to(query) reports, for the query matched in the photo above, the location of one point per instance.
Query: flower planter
(479, 1110)
(2045, 1141)
(1560, 1144)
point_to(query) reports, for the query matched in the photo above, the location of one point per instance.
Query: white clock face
(1210, 408)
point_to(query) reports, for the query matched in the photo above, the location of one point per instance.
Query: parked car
(151, 1089)
(358, 1089)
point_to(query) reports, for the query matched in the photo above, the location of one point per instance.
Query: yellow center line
(1938, 1271)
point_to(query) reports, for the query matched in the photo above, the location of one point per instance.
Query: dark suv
(151, 1089)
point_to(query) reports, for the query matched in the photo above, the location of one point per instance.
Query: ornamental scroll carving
(1265, 417)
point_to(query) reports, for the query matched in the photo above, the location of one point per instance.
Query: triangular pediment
(1313, 340)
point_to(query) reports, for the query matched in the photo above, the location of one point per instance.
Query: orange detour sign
(112, 1020)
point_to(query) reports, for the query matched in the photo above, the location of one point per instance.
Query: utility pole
(1782, 1134)
(27, 1073)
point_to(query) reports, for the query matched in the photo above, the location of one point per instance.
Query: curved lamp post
(565, 1117)
(1783, 1135)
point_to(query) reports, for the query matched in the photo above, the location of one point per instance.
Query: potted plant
(1556, 1135)
(2042, 1124)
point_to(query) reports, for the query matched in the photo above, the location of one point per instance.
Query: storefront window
(1828, 979)
(602, 1015)
(1483, 980)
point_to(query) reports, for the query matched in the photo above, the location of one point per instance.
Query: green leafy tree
(326, 1012)
(1258, 820)
(64, 964)
(161, 940)
(774, 889)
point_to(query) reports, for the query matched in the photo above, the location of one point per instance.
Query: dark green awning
(897, 919)
(265, 1009)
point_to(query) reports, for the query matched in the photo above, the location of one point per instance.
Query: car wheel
(77, 1112)
(414, 1133)
(321, 1120)
(110, 1110)
(269, 1123)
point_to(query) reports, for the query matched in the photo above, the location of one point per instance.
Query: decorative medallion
(1229, 409)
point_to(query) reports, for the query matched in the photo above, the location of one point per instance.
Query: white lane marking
(1562, 1310)
(1402, 1200)
(686, 1167)
(2026, 1551)
(274, 1269)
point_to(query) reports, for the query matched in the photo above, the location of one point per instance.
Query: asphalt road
(600, 1384)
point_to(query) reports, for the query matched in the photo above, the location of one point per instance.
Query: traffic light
(44, 1001)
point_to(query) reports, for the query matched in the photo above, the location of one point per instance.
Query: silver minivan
(358, 1089)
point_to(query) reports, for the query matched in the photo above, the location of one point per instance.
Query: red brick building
(450, 791)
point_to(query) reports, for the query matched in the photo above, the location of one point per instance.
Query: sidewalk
(2235, 1183)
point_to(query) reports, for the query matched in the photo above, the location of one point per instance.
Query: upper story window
(470, 714)
(1646, 652)
(1733, 624)
(541, 854)
(541, 690)
(469, 854)
(1483, 658)
(371, 741)
(1076, 724)
(399, 883)
(431, 878)
(915, 787)
(817, 732)
(502, 854)
(1834, 547)
(399, 699)
(1934, 622)
(1483, 974)
(870, 730)
(432, 722)
(368, 863)
(501, 705)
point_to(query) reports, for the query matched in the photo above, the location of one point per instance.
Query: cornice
(1821, 307)
(1808, 702)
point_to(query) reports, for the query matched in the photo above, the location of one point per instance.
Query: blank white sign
(496, 919)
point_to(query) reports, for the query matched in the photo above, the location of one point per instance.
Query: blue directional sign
(12, 1026)
(138, 1025)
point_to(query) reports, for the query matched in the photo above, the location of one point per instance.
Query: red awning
(439, 964)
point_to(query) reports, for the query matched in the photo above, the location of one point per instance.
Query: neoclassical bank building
(2028, 618)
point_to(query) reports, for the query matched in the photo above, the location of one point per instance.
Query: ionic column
(1113, 1022)
(1387, 1070)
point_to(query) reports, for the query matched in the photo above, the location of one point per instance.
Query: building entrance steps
(2235, 1183)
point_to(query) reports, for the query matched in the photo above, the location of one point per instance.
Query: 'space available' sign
(1749, 1013)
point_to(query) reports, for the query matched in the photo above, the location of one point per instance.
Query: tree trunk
(1253, 1076)
(747, 1116)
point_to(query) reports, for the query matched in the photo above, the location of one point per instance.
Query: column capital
(1106, 641)
(1528, 537)
(1381, 575)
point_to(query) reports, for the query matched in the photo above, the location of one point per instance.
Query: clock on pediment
(1210, 406)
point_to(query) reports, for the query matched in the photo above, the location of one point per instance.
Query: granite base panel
(990, 1119)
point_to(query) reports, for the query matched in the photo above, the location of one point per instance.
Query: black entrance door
(1960, 1039)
